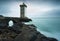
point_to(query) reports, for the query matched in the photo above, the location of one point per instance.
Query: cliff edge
(22, 32)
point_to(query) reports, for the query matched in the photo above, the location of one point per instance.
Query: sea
(49, 26)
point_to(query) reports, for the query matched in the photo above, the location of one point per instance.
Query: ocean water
(49, 26)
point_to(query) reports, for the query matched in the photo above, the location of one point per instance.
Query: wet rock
(23, 32)
(30, 34)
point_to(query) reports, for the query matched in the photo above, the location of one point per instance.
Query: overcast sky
(35, 7)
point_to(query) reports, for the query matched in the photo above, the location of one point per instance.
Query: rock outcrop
(22, 32)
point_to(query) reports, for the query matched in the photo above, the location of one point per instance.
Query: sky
(36, 9)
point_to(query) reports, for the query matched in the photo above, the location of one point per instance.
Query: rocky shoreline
(22, 32)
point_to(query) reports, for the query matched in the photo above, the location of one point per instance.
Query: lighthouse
(23, 18)
(22, 10)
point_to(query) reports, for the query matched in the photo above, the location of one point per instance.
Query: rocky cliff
(22, 32)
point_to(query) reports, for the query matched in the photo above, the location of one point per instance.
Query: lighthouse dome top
(23, 5)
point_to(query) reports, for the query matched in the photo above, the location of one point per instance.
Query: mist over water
(49, 26)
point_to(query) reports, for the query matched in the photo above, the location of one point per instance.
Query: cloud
(45, 2)
(8, 8)
(54, 13)
(38, 6)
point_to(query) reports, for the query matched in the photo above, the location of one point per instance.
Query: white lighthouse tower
(23, 18)
(22, 10)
